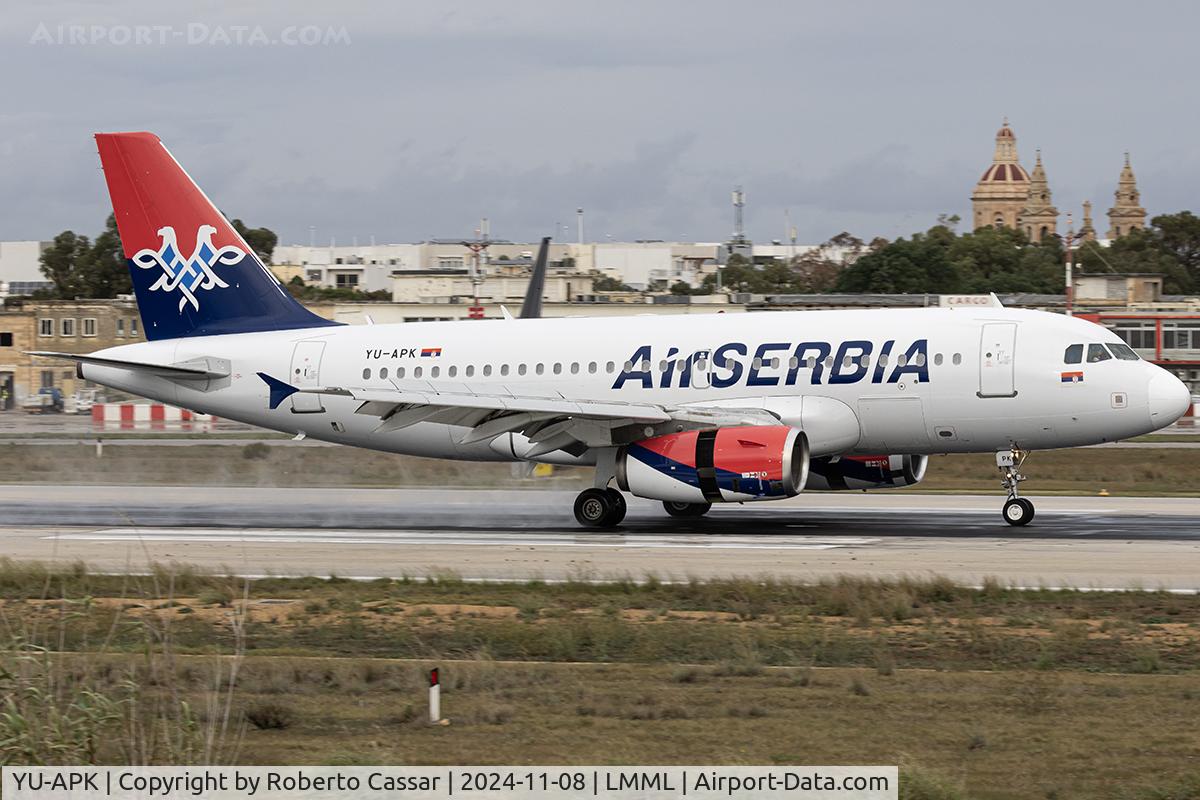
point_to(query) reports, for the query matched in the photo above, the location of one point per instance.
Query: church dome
(1005, 173)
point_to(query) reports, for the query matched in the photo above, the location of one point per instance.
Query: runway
(1089, 542)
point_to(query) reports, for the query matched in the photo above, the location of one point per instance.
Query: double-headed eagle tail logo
(193, 274)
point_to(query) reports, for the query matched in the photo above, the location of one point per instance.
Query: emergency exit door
(997, 359)
(306, 374)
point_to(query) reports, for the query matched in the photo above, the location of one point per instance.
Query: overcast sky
(872, 117)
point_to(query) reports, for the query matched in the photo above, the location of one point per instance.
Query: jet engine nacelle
(866, 472)
(724, 465)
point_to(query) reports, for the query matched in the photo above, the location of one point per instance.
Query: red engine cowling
(724, 465)
(866, 472)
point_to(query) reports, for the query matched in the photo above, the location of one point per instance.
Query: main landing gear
(1017, 510)
(600, 508)
(686, 510)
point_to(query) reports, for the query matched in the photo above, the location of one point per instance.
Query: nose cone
(1169, 398)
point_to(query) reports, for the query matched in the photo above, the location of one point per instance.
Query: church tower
(1126, 215)
(1039, 217)
(1003, 190)
(1088, 231)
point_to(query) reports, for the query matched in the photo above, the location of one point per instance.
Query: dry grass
(998, 735)
(984, 693)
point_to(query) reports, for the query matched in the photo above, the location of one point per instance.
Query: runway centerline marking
(429, 538)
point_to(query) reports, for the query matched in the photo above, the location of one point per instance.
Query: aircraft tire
(618, 509)
(1018, 511)
(594, 508)
(686, 510)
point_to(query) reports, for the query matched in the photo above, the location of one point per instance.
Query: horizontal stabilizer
(189, 371)
(280, 391)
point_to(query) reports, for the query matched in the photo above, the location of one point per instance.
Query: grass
(987, 692)
(1128, 471)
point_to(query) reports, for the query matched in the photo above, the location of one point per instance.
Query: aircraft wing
(551, 421)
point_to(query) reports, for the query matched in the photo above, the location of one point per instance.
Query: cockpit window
(1124, 352)
(1097, 352)
(1074, 354)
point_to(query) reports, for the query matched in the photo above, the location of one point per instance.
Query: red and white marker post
(435, 697)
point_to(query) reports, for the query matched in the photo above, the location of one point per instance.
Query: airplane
(687, 410)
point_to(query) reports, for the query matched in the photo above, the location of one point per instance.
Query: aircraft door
(306, 371)
(701, 369)
(997, 354)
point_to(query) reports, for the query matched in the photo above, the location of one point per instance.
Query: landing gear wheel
(594, 508)
(1018, 511)
(686, 510)
(619, 506)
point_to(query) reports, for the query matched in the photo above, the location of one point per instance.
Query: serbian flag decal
(431, 352)
(1072, 377)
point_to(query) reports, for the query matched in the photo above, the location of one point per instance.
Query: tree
(943, 262)
(1138, 251)
(261, 240)
(60, 263)
(681, 288)
(105, 272)
(606, 284)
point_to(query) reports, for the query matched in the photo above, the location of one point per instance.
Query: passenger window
(520, 369)
(574, 367)
(366, 374)
(383, 373)
(557, 368)
(433, 372)
(470, 370)
(417, 372)
(957, 359)
(793, 363)
(487, 370)
(1124, 352)
(1074, 354)
(937, 359)
(539, 369)
(592, 367)
(504, 369)
(1096, 353)
(399, 372)
(611, 366)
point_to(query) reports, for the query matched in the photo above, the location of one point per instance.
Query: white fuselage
(995, 377)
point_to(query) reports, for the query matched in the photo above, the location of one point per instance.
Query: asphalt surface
(1089, 542)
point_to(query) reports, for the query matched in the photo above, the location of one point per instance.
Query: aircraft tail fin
(193, 274)
(532, 307)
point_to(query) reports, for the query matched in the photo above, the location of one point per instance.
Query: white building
(21, 268)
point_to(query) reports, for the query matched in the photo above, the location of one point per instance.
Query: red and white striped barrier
(147, 416)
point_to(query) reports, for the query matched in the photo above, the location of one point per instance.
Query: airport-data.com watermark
(193, 33)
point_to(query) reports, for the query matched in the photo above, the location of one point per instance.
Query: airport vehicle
(721, 408)
(47, 400)
(83, 400)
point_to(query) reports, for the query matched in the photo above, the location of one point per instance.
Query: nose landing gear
(1017, 510)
